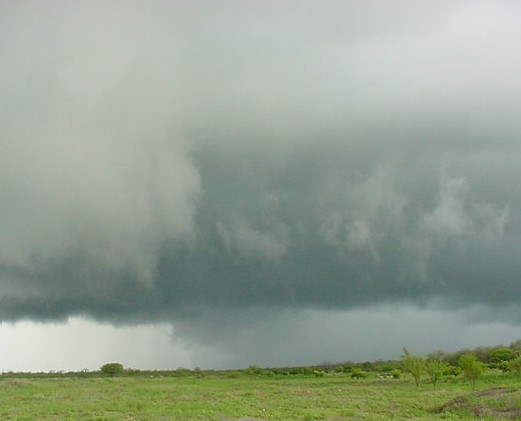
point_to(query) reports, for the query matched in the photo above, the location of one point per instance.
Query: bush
(435, 370)
(233, 374)
(112, 369)
(504, 366)
(451, 370)
(254, 370)
(358, 373)
(347, 367)
(515, 366)
(471, 368)
(501, 355)
(414, 365)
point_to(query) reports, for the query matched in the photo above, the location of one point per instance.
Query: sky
(218, 184)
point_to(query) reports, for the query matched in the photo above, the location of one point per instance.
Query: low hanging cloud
(180, 162)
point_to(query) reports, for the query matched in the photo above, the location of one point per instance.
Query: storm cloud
(213, 164)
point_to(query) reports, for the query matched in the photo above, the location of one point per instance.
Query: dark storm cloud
(170, 161)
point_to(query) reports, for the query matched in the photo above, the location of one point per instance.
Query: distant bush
(182, 372)
(112, 369)
(233, 374)
(254, 370)
(382, 366)
(305, 371)
(347, 367)
(358, 373)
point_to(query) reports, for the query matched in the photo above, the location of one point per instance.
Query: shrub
(358, 373)
(502, 354)
(233, 374)
(254, 370)
(347, 367)
(471, 368)
(515, 365)
(435, 370)
(451, 370)
(413, 365)
(504, 366)
(112, 369)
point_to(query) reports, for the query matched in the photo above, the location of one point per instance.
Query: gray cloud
(192, 162)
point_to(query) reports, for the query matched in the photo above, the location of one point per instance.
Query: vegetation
(217, 396)
(435, 370)
(358, 373)
(471, 368)
(112, 369)
(515, 365)
(341, 391)
(414, 365)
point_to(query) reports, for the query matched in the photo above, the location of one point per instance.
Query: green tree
(471, 368)
(112, 369)
(414, 365)
(515, 365)
(435, 370)
(500, 357)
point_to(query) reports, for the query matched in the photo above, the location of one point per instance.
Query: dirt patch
(497, 403)
(496, 391)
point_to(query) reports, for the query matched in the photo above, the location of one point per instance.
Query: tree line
(468, 363)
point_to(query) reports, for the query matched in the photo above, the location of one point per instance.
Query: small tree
(471, 368)
(435, 370)
(515, 365)
(413, 365)
(112, 369)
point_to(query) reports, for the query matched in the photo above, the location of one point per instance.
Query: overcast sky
(226, 183)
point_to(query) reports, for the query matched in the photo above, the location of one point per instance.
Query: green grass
(332, 397)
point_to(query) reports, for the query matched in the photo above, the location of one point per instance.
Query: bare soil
(500, 403)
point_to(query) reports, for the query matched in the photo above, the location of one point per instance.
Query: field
(250, 397)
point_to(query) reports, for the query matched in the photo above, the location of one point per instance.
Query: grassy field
(335, 397)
